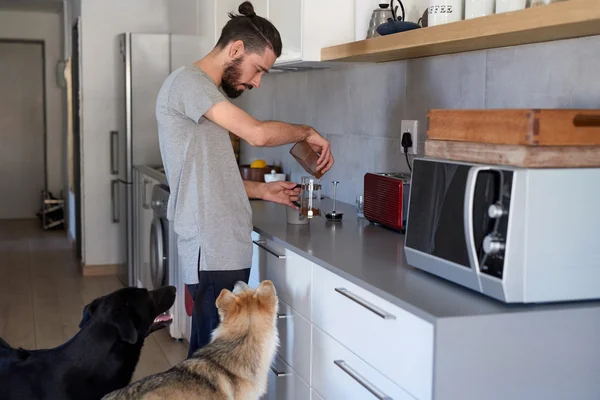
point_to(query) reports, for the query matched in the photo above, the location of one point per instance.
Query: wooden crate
(526, 127)
(516, 155)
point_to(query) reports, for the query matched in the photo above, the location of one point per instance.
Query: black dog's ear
(126, 328)
(88, 312)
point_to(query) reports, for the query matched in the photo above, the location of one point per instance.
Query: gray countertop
(372, 257)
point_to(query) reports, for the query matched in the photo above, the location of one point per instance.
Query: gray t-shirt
(208, 202)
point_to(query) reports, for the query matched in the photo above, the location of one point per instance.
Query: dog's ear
(88, 312)
(126, 328)
(240, 286)
(227, 301)
(266, 293)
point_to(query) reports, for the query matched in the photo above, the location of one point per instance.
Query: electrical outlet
(411, 126)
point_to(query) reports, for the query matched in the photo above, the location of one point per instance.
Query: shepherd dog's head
(249, 316)
(253, 311)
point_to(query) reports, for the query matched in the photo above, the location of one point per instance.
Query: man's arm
(277, 192)
(255, 190)
(256, 133)
(269, 133)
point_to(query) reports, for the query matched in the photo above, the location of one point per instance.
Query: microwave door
(469, 220)
(486, 194)
(436, 238)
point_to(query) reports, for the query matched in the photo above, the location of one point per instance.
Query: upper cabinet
(305, 26)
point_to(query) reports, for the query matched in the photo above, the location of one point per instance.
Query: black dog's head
(135, 313)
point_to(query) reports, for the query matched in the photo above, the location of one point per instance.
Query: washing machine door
(158, 253)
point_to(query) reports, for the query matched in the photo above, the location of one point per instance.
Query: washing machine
(163, 254)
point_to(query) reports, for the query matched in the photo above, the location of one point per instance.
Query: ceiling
(54, 6)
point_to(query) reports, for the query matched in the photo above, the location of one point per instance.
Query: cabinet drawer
(393, 341)
(337, 373)
(290, 273)
(284, 384)
(295, 338)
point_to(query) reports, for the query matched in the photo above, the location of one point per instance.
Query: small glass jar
(310, 196)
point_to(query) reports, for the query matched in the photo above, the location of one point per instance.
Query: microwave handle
(468, 219)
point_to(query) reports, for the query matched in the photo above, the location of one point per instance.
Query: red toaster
(386, 199)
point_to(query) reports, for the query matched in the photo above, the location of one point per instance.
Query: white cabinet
(394, 341)
(290, 273)
(338, 340)
(305, 26)
(340, 374)
(284, 384)
(314, 395)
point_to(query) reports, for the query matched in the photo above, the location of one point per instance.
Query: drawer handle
(364, 303)
(361, 380)
(279, 374)
(283, 316)
(261, 244)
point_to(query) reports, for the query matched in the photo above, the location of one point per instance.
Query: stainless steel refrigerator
(147, 60)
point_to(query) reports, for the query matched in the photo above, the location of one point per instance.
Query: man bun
(247, 9)
(256, 32)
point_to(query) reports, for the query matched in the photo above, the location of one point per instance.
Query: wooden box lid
(527, 127)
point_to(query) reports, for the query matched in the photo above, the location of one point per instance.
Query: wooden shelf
(563, 20)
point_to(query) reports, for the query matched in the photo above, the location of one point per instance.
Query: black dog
(99, 359)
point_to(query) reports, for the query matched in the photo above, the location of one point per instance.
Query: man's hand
(320, 145)
(281, 192)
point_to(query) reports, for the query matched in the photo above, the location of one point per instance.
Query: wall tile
(561, 74)
(388, 155)
(451, 81)
(360, 107)
(353, 158)
(366, 100)
(290, 97)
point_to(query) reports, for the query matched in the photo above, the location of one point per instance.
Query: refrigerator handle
(114, 152)
(114, 198)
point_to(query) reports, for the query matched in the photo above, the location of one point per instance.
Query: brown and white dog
(234, 365)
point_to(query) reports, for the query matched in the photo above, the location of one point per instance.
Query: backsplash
(359, 108)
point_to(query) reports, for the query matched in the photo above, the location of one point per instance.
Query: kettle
(386, 21)
(379, 16)
(396, 24)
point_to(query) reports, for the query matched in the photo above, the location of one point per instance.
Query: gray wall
(359, 108)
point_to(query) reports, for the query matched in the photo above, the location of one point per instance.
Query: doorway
(22, 128)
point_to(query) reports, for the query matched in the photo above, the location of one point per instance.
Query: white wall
(46, 27)
(71, 11)
(104, 102)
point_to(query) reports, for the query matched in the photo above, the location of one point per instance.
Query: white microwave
(515, 234)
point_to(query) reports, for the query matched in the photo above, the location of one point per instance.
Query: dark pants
(205, 317)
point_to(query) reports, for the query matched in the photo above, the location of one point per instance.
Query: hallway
(42, 295)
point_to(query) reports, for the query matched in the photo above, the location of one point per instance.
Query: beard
(231, 77)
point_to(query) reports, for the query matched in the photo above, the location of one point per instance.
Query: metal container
(379, 16)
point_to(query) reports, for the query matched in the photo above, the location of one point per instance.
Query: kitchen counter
(372, 257)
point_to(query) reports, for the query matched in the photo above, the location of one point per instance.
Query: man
(208, 199)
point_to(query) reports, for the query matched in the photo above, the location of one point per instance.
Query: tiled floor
(42, 295)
